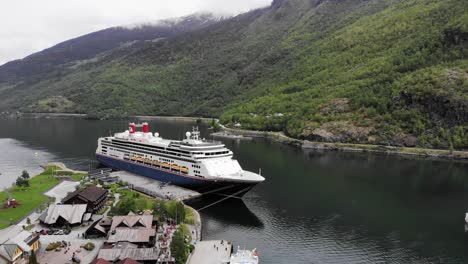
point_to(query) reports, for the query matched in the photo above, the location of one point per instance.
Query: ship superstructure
(195, 163)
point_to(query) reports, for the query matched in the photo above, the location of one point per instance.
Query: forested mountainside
(368, 71)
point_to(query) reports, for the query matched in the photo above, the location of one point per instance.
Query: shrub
(53, 246)
(89, 246)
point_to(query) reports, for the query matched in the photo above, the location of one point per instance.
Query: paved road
(211, 252)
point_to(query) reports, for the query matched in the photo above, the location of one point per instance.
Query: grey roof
(87, 216)
(131, 235)
(91, 193)
(22, 240)
(132, 221)
(139, 254)
(8, 251)
(72, 213)
(9, 232)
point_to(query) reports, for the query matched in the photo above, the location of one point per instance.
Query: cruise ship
(194, 163)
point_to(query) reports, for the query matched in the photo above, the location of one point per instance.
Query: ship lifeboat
(184, 169)
(156, 163)
(166, 165)
(175, 167)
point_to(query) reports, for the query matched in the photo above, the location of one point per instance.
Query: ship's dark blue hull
(201, 185)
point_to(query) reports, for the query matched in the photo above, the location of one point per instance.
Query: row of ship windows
(174, 151)
(195, 171)
(149, 149)
(166, 160)
(196, 166)
(153, 148)
(130, 148)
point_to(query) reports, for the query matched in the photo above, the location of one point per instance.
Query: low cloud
(30, 26)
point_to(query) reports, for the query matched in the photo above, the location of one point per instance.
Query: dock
(154, 187)
(211, 252)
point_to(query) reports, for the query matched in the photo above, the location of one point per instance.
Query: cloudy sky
(28, 26)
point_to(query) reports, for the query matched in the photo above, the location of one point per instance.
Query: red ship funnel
(145, 128)
(132, 128)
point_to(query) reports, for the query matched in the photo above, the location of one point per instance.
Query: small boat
(243, 256)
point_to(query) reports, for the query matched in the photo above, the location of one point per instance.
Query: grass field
(77, 176)
(29, 198)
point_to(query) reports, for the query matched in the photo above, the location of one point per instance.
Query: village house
(136, 229)
(17, 244)
(92, 196)
(64, 215)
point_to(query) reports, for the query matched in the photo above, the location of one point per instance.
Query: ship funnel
(132, 128)
(145, 127)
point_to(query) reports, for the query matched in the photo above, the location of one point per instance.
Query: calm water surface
(314, 207)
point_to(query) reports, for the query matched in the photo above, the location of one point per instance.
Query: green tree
(125, 206)
(178, 248)
(32, 258)
(180, 212)
(22, 182)
(160, 209)
(25, 174)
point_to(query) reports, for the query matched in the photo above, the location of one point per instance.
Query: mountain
(363, 71)
(88, 46)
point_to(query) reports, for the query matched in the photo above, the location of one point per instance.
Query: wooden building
(17, 244)
(93, 196)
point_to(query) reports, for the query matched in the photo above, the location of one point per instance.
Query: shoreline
(298, 143)
(84, 116)
(352, 147)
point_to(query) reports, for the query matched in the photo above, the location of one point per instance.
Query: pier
(211, 252)
(155, 188)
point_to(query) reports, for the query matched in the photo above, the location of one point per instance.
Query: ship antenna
(260, 171)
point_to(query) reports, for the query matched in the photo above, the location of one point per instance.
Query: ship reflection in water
(232, 211)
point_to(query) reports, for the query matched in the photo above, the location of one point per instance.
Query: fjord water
(315, 207)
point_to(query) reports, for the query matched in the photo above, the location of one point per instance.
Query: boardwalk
(211, 252)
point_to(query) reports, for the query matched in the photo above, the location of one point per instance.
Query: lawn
(29, 198)
(77, 176)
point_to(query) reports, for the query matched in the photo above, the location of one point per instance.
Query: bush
(89, 246)
(53, 246)
(22, 182)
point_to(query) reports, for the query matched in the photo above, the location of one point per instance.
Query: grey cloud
(29, 26)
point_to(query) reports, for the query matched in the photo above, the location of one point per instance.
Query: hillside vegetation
(368, 71)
